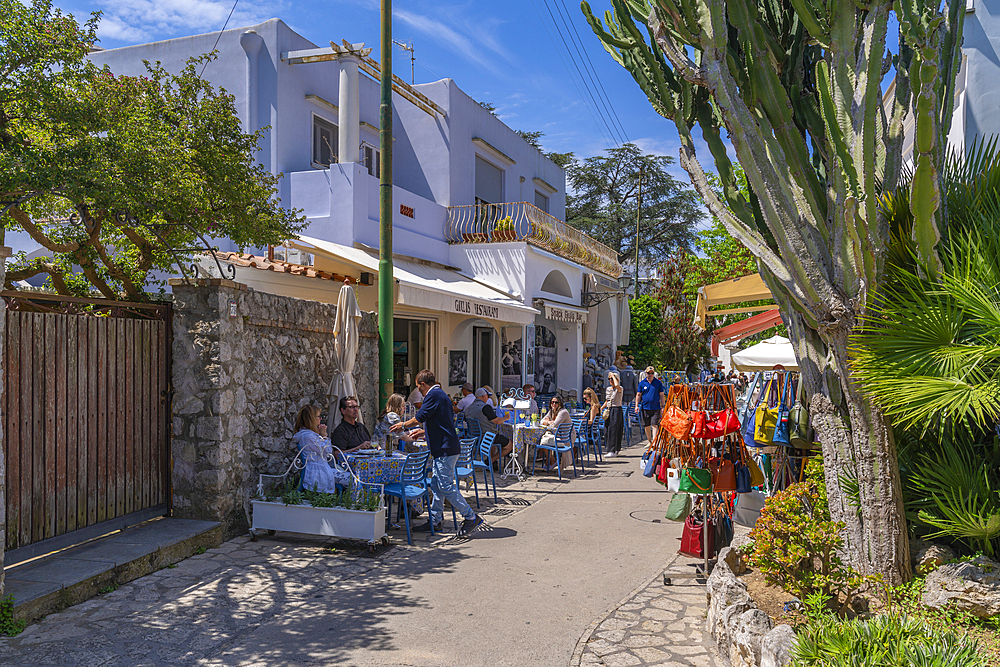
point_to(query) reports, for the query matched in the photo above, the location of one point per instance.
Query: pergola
(737, 290)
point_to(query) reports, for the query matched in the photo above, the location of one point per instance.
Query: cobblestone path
(656, 625)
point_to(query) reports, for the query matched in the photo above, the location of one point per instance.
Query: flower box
(474, 237)
(327, 521)
(504, 235)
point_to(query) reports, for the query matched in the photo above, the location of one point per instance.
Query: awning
(561, 312)
(743, 328)
(766, 355)
(737, 290)
(431, 287)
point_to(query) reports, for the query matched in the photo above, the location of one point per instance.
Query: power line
(593, 70)
(610, 134)
(219, 36)
(592, 86)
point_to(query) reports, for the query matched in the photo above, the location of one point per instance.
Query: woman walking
(614, 425)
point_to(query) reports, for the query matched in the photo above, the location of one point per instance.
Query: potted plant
(504, 230)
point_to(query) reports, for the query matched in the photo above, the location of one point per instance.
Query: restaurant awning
(766, 355)
(429, 286)
(743, 328)
(737, 290)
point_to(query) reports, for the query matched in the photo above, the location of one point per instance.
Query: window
(371, 159)
(489, 182)
(541, 201)
(324, 142)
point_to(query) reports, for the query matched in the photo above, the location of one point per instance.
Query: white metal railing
(521, 221)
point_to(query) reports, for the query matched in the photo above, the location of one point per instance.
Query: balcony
(521, 221)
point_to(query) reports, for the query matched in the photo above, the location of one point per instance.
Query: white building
(483, 261)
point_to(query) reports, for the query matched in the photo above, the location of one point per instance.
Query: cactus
(797, 87)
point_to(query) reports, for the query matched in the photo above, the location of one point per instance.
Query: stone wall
(744, 635)
(244, 363)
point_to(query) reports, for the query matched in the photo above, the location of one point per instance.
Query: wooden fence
(86, 419)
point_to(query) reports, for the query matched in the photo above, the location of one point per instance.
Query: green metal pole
(385, 278)
(638, 217)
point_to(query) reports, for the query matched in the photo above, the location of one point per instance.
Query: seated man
(481, 411)
(529, 391)
(468, 396)
(350, 434)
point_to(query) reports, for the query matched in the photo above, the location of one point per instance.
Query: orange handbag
(678, 423)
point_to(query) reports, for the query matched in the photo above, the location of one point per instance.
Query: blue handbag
(749, 417)
(649, 464)
(781, 429)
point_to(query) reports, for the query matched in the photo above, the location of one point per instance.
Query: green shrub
(795, 544)
(888, 640)
(9, 626)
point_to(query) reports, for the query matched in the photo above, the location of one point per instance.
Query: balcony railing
(521, 221)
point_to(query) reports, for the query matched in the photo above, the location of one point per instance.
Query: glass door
(484, 355)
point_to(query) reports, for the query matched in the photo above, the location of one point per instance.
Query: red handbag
(698, 424)
(722, 423)
(661, 471)
(691, 539)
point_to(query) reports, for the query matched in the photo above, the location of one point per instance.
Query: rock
(973, 587)
(776, 647)
(733, 559)
(746, 634)
(931, 557)
(727, 597)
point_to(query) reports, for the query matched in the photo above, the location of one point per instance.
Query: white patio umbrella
(345, 350)
(765, 355)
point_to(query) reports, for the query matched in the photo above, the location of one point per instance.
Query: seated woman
(315, 448)
(393, 414)
(556, 416)
(593, 405)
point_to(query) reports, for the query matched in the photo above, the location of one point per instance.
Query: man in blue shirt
(438, 417)
(648, 399)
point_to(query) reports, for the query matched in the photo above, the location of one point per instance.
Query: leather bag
(696, 480)
(650, 468)
(678, 423)
(765, 416)
(691, 539)
(673, 479)
(748, 507)
(723, 529)
(722, 423)
(743, 484)
(661, 470)
(698, 424)
(800, 433)
(723, 475)
(679, 508)
(781, 429)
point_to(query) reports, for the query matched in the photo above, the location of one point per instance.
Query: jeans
(443, 486)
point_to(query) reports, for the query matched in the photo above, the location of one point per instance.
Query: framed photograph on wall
(529, 353)
(458, 367)
(511, 358)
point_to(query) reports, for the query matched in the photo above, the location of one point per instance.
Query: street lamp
(591, 299)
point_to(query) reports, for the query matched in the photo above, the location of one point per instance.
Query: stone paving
(655, 625)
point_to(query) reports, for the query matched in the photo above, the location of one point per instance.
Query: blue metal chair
(563, 443)
(473, 429)
(580, 440)
(413, 485)
(461, 425)
(464, 468)
(596, 439)
(484, 461)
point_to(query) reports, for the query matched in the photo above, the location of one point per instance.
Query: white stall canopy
(765, 355)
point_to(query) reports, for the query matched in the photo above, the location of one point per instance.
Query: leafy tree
(797, 86)
(604, 203)
(684, 347)
(645, 331)
(116, 176)
(533, 138)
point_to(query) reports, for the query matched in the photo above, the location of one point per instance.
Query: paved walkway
(554, 557)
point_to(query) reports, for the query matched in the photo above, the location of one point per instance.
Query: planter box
(505, 235)
(328, 521)
(474, 237)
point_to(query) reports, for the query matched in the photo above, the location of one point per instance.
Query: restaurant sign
(467, 307)
(560, 314)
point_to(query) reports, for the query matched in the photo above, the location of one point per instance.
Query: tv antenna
(413, 56)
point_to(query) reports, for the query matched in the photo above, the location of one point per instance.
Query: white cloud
(140, 20)
(451, 37)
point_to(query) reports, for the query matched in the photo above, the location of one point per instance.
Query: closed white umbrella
(345, 350)
(765, 355)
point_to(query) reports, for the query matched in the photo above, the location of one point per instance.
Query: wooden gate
(85, 417)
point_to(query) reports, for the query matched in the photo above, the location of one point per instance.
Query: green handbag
(800, 434)
(679, 508)
(696, 480)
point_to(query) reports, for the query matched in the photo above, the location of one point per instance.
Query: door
(484, 353)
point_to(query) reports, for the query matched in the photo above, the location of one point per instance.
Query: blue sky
(508, 53)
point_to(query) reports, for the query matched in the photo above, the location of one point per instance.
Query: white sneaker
(611, 455)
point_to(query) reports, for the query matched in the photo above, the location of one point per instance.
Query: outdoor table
(522, 435)
(378, 469)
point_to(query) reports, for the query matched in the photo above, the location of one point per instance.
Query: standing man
(648, 399)
(438, 418)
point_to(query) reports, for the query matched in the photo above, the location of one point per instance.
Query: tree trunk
(858, 444)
